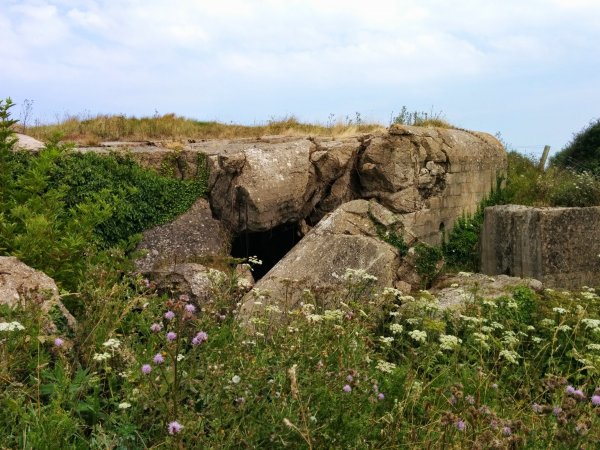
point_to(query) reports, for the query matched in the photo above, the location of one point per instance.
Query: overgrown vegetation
(582, 154)
(93, 130)
(61, 209)
(376, 369)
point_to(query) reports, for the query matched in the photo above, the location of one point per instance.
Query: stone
(433, 174)
(25, 142)
(192, 237)
(450, 295)
(197, 281)
(21, 285)
(558, 246)
(344, 239)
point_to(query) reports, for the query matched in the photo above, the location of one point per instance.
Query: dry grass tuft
(92, 131)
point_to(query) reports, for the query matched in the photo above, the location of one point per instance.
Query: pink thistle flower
(461, 425)
(570, 390)
(146, 369)
(506, 431)
(556, 410)
(537, 408)
(190, 308)
(349, 378)
(380, 396)
(347, 388)
(175, 427)
(158, 359)
(596, 400)
(171, 336)
(58, 342)
(200, 337)
(169, 315)
(156, 327)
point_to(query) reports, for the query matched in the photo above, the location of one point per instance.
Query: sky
(529, 69)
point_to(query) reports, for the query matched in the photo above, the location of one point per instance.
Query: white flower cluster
(482, 339)
(510, 355)
(385, 367)
(334, 315)
(418, 335)
(559, 310)
(396, 328)
(254, 260)
(593, 324)
(391, 293)
(386, 340)
(101, 356)
(354, 275)
(112, 343)
(449, 342)
(510, 338)
(11, 326)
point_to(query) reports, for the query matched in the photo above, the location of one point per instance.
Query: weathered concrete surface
(453, 291)
(558, 246)
(25, 142)
(189, 238)
(430, 175)
(21, 285)
(345, 239)
(198, 281)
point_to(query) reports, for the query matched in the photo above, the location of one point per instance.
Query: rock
(344, 239)
(271, 182)
(468, 284)
(25, 142)
(198, 281)
(21, 285)
(558, 246)
(192, 237)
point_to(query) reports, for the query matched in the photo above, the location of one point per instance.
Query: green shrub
(426, 262)
(60, 209)
(461, 247)
(583, 152)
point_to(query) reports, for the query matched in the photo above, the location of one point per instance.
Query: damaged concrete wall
(428, 175)
(558, 246)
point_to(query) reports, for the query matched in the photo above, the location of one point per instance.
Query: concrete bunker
(268, 246)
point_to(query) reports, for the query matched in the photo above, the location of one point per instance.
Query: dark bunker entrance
(268, 246)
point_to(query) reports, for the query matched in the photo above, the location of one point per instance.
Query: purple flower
(190, 308)
(461, 425)
(349, 378)
(58, 342)
(169, 315)
(158, 359)
(506, 431)
(156, 327)
(570, 390)
(453, 400)
(171, 336)
(556, 410)
(146, 369)
(347, 388)
(579, 394)
(175, 427)
(537, 408)
(380, 396)
(596, 400)
(200, 337)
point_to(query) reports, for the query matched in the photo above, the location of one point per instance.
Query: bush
(461, 248)
(583, 152)
(61, 209)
